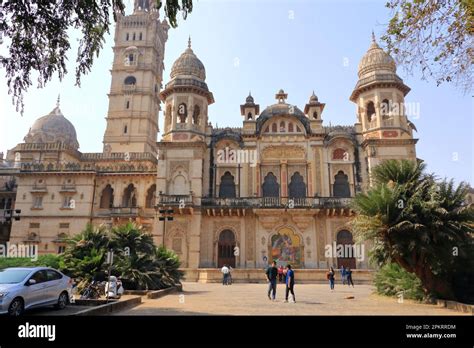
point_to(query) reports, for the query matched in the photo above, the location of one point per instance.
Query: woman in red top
(280, 274)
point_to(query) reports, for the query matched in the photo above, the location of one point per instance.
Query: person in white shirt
(225, 271)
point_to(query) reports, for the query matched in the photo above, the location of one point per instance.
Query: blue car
(23, 288)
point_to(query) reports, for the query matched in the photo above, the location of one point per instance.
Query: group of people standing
(346, 277)
(287, 275)
(273, 273)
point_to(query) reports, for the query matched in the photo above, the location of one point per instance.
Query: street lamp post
(165, 215)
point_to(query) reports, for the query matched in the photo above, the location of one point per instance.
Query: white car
(23, 288)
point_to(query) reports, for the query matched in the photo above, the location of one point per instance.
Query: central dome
(188, 65)
(53, 128)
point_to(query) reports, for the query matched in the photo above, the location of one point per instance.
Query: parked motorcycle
(114, 288)
(94, 291)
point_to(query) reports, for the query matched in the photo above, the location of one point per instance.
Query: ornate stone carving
(220, 226)
(284, 152)
(269, 221)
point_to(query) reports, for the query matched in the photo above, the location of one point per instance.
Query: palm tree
(85, 254)
(416, 222)
(140, 264)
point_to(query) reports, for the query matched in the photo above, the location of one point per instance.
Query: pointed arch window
(182, 113)
(297, 187)
(130, 197)
(107, 197)
(196, 114)
(270, 186)
(370, 111)
(150, 197)
(274, 128)
(227, 186)
(341, 185)
(291, 128)
(385, 109)
(282, 127)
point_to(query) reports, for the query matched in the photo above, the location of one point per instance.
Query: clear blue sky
(297, 45)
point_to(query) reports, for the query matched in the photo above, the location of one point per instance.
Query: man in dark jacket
(272, 274)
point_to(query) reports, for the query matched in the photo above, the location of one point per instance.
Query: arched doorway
(344, 238)
(225, 249)
(227, 186)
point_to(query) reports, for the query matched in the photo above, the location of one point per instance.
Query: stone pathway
(251, 299)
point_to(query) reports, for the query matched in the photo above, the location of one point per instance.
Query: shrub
(47, 260)
(392, 279)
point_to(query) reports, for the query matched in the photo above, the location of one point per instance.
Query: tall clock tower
(137, 73)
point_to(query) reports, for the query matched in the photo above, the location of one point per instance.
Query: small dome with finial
(313, 99)
(249, 99)
(188, 64)
(376, 59)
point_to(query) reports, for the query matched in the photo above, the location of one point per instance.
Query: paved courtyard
(251, 299)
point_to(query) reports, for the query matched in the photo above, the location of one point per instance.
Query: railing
(278, 202)
(125, 211)
(175, 199)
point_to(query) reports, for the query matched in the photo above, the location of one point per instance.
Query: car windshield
(13, 276)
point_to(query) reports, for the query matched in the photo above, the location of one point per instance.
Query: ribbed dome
(188, 65)
(376, 59)
(53, 128)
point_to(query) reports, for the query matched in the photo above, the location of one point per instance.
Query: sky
(262, 46)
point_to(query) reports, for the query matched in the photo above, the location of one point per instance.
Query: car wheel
(16, 308)
(62, 300)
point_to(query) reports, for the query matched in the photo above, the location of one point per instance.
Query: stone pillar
(284, 178)
(309, 182)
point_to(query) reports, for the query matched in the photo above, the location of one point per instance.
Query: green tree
(36, 35)
(168, 264)
(434, 35)
(419, 223)
(136, 262)
(85, 255)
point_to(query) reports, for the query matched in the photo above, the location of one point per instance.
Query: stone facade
(279, 187)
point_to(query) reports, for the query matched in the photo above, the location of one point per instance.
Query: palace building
(278, 187)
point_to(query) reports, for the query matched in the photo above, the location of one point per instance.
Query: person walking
(343, 275)
(349, 277)
(272, 273)
(280, 274)
(225, 273)
(290, 283)
(330, 277)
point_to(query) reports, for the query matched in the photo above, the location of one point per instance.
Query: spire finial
(250, 93)
(58, 100)
(189, 41)
(373, 36)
